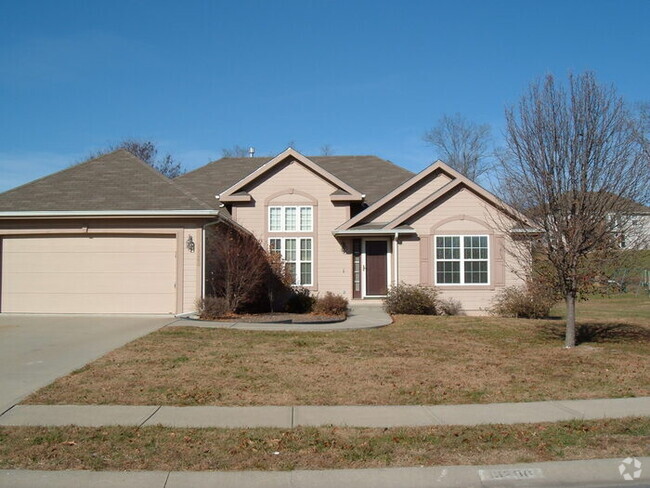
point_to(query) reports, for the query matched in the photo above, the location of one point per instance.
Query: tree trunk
(570, 336)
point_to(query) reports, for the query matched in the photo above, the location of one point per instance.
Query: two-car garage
(90, 273)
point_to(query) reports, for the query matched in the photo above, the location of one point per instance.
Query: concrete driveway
(37, 349)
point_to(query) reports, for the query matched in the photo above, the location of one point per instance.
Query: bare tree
(236, 151)
(574, 164)
(236, 265)
(462, 144)
(326, 150)
(147, 152)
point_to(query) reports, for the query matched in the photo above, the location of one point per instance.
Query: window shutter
(499, 261)
(425, 260)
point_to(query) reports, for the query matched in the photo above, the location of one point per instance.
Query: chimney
(251, 152)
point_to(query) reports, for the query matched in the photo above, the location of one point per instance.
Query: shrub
(528, 301)
(331, 304)
(212, 307)
(449, 306)
(300, 301)
(411, 299)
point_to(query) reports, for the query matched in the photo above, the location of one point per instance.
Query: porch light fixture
(190, 244)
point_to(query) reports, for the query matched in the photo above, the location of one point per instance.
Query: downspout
(395, 258)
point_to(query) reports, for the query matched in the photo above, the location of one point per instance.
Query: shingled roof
(369, 175)
(117, 181)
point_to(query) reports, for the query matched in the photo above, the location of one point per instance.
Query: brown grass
(417, 360)
(158, 448)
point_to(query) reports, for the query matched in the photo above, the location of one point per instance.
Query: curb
(557, 474)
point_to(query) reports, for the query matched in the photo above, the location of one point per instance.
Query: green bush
(300, 301)
(449, 306)
(411, 300)
(331, 304)
(212, 307)
(528, 302)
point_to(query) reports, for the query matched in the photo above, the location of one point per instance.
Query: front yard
(417, 360)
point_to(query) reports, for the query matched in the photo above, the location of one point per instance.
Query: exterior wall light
(190, 244)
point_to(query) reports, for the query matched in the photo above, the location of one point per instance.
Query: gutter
(111, 213)
(384, 232)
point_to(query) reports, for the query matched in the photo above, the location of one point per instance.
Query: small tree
(236, 265)
(575, 163)
(236, 151)
(147, 152)
(461, 144)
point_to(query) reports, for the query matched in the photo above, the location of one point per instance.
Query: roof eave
(108, 213)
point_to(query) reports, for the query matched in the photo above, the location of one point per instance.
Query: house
(112, 235)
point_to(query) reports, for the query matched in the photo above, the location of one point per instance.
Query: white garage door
(89, 274)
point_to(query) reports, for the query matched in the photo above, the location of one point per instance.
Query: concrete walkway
(590, 473)
(300, 416)
(362, 316)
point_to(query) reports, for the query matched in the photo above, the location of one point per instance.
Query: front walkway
(362, 316)
(301, 416)
(593, 472)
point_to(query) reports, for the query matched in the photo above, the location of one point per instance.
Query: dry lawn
(417, 360)
(158, 448)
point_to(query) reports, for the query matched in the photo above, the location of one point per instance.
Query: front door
(376, 268)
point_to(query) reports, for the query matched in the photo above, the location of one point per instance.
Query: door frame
(363, 265)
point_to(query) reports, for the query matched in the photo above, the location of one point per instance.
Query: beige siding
(409, 199)
(191, 270)
(409, 260)
(294, 184)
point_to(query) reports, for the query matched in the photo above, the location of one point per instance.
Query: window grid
(291, 218)
(297, 254)
(462, 260)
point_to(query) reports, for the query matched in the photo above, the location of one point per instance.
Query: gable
(237, 192)
(289, 181)
(408, 199)
(436, 182)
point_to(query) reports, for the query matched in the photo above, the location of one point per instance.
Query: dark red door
(376, 274)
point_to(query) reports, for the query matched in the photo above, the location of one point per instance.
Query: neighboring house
(114, 236)
(636, 234)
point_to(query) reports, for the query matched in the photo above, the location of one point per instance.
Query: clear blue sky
(366, 77)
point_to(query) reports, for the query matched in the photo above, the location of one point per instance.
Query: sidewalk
(362, 316)
(300, 416)
(597, 472)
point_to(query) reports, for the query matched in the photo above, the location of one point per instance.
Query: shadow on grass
(598, 332)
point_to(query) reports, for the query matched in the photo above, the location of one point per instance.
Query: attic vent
(251, 152)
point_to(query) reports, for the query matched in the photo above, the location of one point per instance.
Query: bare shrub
(411, 300)
(331, 304)
(300, 301)
(211, 307)
(449, 306)
(528, 301)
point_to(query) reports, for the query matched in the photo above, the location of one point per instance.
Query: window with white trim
(462, 260)
(291, 218)
(297, 254)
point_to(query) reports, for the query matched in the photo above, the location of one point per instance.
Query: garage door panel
(89, 303)
(96, 274)
(73, 283)
(18, 262)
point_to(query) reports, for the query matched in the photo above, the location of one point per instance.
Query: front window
(291, 219)
(462, 260)
(297, 256)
